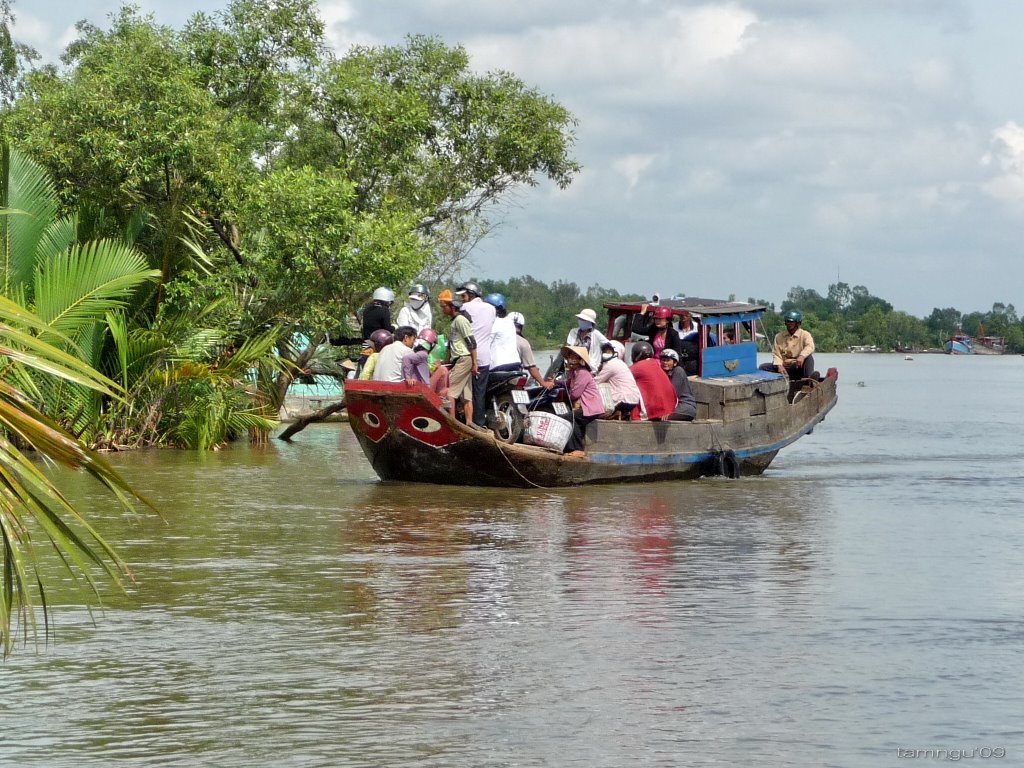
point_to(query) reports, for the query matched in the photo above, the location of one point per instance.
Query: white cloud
(632, 166)
(341, 29)
(1007, 156)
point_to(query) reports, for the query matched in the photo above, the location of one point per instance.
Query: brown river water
(862, 598)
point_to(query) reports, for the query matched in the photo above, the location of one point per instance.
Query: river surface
(865, 596)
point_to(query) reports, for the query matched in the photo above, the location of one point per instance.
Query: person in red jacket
(658, 396)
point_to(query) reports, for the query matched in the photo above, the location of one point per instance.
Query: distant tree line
(845, 316)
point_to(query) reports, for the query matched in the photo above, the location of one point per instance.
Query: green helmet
(793, 315)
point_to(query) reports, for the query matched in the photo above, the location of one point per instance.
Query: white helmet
(620, 350)
(384, 294)
(517, 318)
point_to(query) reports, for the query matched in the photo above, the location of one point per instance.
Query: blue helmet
(496, 300)
(793, 315)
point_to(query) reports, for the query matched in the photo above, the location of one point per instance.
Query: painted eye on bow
(369, 419)
(423, 424)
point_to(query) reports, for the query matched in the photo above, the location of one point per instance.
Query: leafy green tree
(278, 183)
(942, 323)
(15, 57)
(808, 301)
(862, 302)
(129, 127)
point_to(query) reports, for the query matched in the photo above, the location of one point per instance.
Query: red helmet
(381, 339)
(428, 334)
(662, 313)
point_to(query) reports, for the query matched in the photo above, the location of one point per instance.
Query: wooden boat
(744, 418)
(959, 344)
(962, 344)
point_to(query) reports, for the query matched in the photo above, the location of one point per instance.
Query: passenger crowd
(484, 337)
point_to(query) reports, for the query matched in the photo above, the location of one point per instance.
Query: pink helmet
(427, 339)
(662, 313)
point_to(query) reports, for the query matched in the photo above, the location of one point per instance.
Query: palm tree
(75, 288)
(56, 299)
(30, 504)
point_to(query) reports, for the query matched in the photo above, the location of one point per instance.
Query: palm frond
(24, 186)
(22, 347)
(80, 286)
(58, 237)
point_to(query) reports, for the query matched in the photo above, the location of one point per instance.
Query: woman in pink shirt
(616, 374)
(587, 404)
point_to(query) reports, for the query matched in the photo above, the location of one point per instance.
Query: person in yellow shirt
(793, 351)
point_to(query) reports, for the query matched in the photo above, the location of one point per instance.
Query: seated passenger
(686, 403)
(379, 339)
(793, 351)
(416, 367)
(389, 359)
(587, 404)
(616, 374)
(657, 395)
(689, 344)
(526, 358)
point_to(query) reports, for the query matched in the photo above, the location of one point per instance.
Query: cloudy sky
(737, 147)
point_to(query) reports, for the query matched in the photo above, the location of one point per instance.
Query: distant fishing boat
(959, 344)
(962, 344)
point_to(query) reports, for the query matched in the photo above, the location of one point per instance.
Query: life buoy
(727, 465)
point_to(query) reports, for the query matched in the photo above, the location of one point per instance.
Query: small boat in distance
(959, 344)
(962, 344)
(745, 416)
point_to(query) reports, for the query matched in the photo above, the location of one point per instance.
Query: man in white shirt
(389, 360)
(504, 351)
(481, 315)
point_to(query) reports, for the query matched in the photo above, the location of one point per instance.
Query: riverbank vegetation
(264, 187)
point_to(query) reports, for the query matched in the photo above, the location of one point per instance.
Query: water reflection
(441, 557)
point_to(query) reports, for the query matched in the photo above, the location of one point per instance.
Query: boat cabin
(727, 339)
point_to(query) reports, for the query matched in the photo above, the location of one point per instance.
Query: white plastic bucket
(547, 431)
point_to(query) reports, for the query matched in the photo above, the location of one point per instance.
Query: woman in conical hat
(587, 404)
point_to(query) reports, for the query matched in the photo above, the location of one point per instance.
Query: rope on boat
(515, 469)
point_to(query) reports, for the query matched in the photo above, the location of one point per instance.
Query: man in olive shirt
(462, 348)
(793, 351)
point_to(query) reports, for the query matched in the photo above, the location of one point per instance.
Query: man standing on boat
(793, 351)
(417, 312)
(377, 314)
(462, 348)
(482, 315)
(585, 335)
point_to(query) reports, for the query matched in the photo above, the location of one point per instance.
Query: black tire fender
(727, 465)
